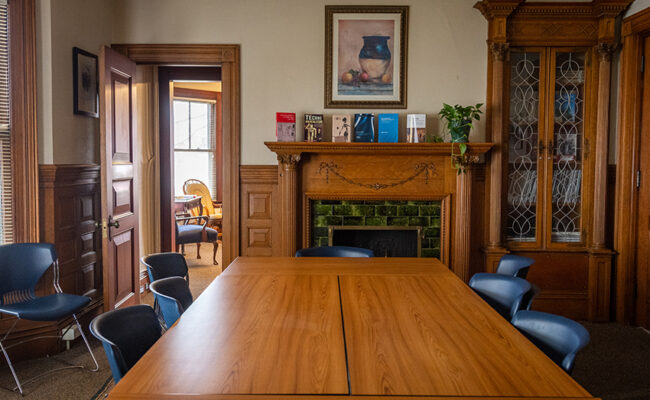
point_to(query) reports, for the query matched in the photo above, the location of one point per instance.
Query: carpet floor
(614, 366)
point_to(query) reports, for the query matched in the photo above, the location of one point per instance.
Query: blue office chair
(21, 267)
(165, 265)
(126, 334)
(173, 296)
(513, 265)
(334, 251)
(518, 266)
(558, 337)
(505, 294)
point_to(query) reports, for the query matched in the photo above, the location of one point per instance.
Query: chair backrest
(559, 338)
(198, 188)
(504, 293)
(513, 265)
(335, 251)
(173, 296)
(165, 265)
(126, 334)
(22, 265)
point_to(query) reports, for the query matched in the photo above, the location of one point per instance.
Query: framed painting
(85, 83)
(365, 56)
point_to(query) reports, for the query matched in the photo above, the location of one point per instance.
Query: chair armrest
(198, 218)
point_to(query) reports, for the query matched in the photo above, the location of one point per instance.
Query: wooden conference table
(321, 328)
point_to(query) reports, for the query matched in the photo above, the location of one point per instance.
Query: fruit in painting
(386, 78)
(346, 77)
(363, 77)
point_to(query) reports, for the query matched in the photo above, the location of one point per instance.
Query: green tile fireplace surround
(426, 214)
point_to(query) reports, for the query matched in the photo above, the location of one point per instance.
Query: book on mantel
(285, 127)
(313, 127)
(364, 127)
(387, 128)
(416, 128)
(341, 128)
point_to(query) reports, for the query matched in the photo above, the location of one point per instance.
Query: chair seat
(47, 308)
(193, 234)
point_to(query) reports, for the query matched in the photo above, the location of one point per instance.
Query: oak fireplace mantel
(378, 171)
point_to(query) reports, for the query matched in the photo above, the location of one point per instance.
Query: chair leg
(214, 252)
(11, 367)
(183, 249)
(198, 251)
(81, 331)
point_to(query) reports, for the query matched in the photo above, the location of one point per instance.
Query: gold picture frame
(366, 56)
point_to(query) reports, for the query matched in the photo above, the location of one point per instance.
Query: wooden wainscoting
(259, 210)
(69, 206)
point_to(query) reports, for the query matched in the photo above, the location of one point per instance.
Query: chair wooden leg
(183, 249)
(214, 252)
(198, 251)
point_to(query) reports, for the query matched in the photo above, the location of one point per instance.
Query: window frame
(197, 95)
(22, 64)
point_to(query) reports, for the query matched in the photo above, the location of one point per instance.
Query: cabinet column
(605, 51)
(600, 257)
(288, 180)
(494, 249)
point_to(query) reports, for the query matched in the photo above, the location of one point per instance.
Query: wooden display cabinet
(549, 72)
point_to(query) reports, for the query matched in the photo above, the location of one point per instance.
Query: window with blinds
(194, 143)
(6, 212)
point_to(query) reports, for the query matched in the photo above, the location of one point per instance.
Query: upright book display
(285, 127)
(313, 127)
(387, 128)
(416, 131)
(341, 128)
(364, 127)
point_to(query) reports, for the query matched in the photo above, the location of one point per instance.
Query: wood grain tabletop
(315, 328)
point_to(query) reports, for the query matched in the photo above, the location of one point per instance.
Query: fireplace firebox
(384, 241)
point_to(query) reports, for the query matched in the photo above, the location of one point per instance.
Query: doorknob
(114, 224)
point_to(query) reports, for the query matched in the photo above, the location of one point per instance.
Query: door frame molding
(228, 57)
(634, 30)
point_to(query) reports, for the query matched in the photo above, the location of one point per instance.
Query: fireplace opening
(384, 241)
(392, 216)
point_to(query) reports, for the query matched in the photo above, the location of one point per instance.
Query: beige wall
(282, 47)
(66, 138)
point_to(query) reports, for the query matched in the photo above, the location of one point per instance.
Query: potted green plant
(458, 120)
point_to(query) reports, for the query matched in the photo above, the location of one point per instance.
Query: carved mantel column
(288, 181)
(463, 216)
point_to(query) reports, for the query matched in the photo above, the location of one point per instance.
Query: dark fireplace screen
(391, 228)
(384, 241)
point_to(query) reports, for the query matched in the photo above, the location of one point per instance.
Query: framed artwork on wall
(365, 56)
(85, 83)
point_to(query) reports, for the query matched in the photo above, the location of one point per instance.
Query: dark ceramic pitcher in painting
(374, 57)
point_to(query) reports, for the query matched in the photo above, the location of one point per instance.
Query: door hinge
(638, 178)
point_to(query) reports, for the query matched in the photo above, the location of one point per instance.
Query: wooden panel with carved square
(259, 205)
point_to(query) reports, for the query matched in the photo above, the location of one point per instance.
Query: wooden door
(643, 227)
(121, 268)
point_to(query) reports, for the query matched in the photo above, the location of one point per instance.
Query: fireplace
(391, 228)
(374, 172)
(384, 241)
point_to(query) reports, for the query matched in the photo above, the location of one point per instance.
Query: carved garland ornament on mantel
(428, 169)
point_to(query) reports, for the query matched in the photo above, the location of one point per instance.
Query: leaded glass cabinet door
(524, 155)
(565, 146)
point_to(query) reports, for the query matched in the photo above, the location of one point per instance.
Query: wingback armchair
(211, 209)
